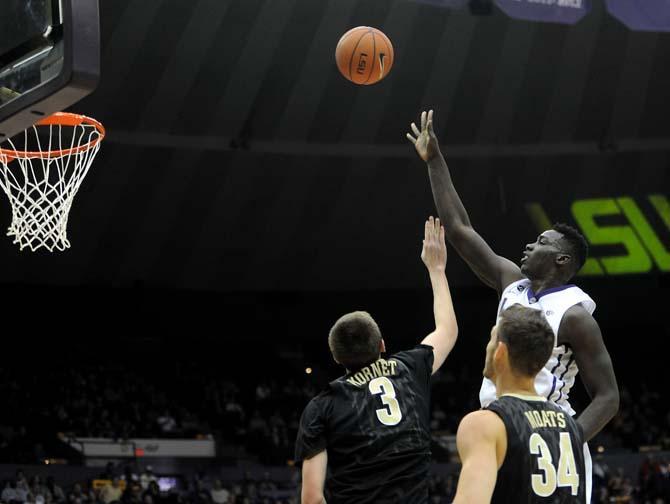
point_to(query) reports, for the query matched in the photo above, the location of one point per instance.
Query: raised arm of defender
(494, 270)
(434, 256)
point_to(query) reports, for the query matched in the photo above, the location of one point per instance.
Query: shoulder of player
(517, 283)
(576, 323)
(510, 274)
(483, 424)
(320, 401)
(411, 353)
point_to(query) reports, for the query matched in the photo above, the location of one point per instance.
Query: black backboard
(49, 59)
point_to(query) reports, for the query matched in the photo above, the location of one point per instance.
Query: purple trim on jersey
(560, 391)
(558, 363)
(502, 306)
(553, 386)
(551, 290)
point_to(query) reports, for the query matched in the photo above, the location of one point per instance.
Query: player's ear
(501, 353)
(382, 346)
(563, 259)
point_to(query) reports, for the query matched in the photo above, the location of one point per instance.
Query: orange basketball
(364, 55)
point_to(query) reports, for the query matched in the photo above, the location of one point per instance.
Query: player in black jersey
(521, 448)
(371, 427)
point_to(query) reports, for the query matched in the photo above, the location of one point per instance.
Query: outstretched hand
(424, 140)
(434, 252)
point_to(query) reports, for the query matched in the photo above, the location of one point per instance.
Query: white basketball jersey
(555, 380)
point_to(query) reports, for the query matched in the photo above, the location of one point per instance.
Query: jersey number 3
(391, 414)
(545, 484)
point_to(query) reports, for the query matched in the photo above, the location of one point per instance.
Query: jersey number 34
(566, 475)
(390, 414)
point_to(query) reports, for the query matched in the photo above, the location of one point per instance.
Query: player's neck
(511, 384)
(542, 284)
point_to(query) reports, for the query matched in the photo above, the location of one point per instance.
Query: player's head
(560, 251)
(355, 340)
(521, 343)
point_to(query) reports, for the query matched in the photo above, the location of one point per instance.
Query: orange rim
(58, 119)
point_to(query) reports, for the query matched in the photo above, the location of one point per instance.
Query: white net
(41, 174)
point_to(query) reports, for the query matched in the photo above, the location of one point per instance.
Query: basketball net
(41, 174)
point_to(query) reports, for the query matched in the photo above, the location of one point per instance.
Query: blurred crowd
(260, 418)
(650, 486)
(125, 486)
(143, 488)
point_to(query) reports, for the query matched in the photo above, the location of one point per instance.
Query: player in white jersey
(541, 281)
(557, 377)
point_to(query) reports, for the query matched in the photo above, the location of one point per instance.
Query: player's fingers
(430, 115)
(423, 120)
(430, 126)
(411, 138)
(437, 225)
(442, 234)
(415, 130)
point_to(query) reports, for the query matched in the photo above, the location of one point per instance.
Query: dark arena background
(247, 195)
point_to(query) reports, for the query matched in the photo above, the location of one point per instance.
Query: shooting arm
(479, 439)
(448, 202)
(580, 330)
(494, 270)
(313, 478)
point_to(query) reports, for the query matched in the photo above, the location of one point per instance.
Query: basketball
(364, 55)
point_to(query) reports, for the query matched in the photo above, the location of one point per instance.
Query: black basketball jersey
(375, 424)
(544, 462)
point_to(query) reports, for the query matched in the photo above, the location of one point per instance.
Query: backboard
(49, 59)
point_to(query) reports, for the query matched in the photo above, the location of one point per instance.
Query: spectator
(167, 423)
(78, 496)
(219, 494)
(38, 492)
(20, 475)
(155, 492)
(111, 492)
(56, 492)
(129, 476)
(266, 485)
(38, 486)
(9, 494)
(21, 489)
(262, 392)
(200, 495)
(133, 493)
(616, 482)
(147, 477)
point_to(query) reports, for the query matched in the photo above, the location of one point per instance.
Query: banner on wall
(636, 244)
(132, 448)
(549, 11)
(642, 15)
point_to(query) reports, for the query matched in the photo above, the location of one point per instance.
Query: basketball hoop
(42, 178)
